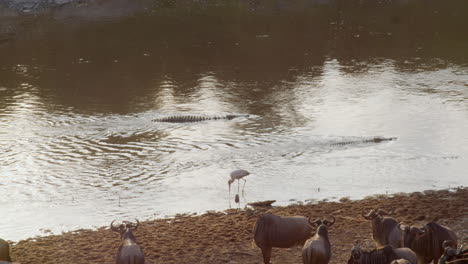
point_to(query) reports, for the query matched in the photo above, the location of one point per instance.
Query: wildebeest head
(322, 225)
(384, 229)
(355, 254)
(125, 229)
(451, 254)
(376, 213)
(427, 241)
(410, 234)
(377, 218)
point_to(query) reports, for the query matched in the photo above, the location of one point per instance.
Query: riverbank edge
(226, 236)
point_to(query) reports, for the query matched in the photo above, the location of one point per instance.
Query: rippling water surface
(78, 96)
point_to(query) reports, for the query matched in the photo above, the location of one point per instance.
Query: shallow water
(78, 96)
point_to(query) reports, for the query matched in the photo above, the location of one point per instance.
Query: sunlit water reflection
(79, 147)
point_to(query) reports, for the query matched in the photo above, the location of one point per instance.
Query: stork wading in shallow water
(237, 175)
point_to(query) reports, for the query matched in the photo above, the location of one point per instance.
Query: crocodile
(371, 140)
(194, 118)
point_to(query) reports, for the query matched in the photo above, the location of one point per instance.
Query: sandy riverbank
(226, 237)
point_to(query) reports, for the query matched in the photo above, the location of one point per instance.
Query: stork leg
(245, 181)
(238, 186)
(229, 198)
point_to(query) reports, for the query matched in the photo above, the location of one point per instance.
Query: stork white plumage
(237, 175)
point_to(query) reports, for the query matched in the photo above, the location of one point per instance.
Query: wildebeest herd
(396, 243)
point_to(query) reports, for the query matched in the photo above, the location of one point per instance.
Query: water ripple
(103, 165)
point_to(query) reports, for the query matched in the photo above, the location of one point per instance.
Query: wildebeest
(317, 250)
(275, 231)
(383, 255)
(129, 251)
(385, 230)
(4, 250)
(427, 241)
(453, 255)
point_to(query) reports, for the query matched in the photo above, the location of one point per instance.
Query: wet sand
(226, 237)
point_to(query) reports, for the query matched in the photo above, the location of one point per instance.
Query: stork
(237, 175)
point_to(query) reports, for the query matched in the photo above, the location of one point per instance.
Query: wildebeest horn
(315, 223)
(133, 226)
(113, 228)
(382, 212)
(447, 243)
(368, 216)
(328, 223)
(137, 224)
(356, 242)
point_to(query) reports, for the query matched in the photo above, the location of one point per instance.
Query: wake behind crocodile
(282, 147)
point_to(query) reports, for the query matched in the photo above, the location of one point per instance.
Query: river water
(78, 95)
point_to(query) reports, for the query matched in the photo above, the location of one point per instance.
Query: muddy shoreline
(226, 237)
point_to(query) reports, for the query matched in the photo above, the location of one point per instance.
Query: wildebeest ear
(400, 225)
(115, 228)
(403, 227)
(329, 223)
(387, 250)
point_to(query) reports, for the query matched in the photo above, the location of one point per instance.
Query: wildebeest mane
(261, 226)
(435, 238)
(386, 223)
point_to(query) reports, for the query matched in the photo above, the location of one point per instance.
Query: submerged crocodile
(194, 118)
(371, 140)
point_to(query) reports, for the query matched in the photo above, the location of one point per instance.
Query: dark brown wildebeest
(4, 250)
(317, 250)
(453, 255)
(283, 232)
(129, 251)
(383, 255)
(427, 241)
(385, 230)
